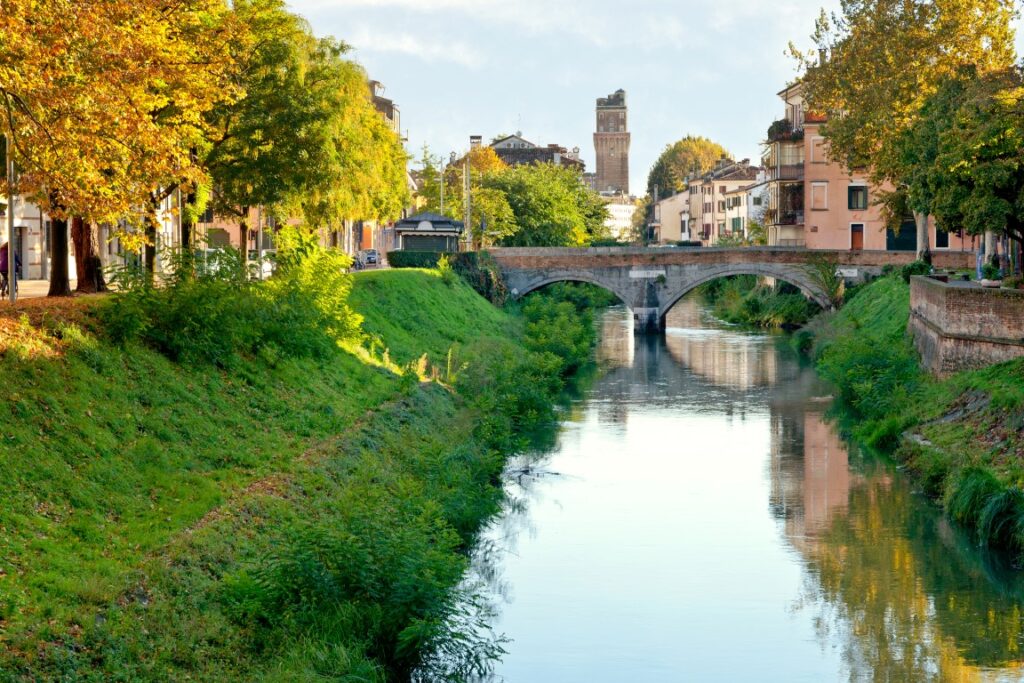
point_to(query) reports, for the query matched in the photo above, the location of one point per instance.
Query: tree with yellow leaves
(876, 62)
(103, 100)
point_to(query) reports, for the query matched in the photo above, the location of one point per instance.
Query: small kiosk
(428, 232)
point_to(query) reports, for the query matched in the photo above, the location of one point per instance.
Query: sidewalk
(34, 289)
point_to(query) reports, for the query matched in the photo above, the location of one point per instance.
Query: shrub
(689, 243)
(413, 259)
(215, 314)
(482, 273)
(1015, 282)
(990, 271)
(874, 378)
(824, 272)
(444, 267)
(915, 268)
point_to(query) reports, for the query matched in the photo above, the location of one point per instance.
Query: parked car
(266, 268)
(368, 257)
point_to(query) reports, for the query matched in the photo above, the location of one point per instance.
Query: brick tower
(611, 142)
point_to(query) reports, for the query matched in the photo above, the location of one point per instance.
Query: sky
(486, 67)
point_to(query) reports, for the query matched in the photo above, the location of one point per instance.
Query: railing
(788, 172)
(790, 243)
(790, 218)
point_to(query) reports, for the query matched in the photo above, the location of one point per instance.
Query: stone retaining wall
(957, 326)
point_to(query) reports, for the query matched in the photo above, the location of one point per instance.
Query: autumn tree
(876, 62)
(692, 155)
(98, 97)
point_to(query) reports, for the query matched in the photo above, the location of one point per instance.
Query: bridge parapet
(651, 280)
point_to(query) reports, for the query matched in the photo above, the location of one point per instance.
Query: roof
(438, 222)
(512, 137)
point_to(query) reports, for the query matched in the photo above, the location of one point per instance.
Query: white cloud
(366, 39)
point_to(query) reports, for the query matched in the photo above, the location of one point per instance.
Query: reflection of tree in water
(907, 597)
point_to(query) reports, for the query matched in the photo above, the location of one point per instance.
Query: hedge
(413, 259)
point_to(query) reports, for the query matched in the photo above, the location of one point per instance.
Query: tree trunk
(243, 235)
(990, 248)
(87, 258)
(188, 226)
(149, 252)
(59, 284)
(924, 252)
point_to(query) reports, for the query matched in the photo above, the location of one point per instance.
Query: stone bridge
(651, 280)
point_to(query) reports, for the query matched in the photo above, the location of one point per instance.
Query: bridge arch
(794, 276)
(540, 282)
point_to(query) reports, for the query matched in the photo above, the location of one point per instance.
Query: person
(4, 261)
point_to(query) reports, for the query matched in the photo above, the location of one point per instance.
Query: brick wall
(957, 327)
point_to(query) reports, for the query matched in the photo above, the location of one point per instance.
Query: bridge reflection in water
(701, 520)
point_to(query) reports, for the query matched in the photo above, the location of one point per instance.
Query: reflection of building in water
(616, 341)
(745, 361)
(810, 474)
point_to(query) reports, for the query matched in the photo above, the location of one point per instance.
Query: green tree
(876, 63)
(305, 139)
(551, 206)
(977, 177)
(692, 155)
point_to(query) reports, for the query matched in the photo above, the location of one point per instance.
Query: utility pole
(469, 212)
(12, 258)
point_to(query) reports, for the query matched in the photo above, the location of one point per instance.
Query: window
(941, 238)
(707, 207)
(818, 155)
(721, 206)
(737, 225)
(757, 200)
(819, 196)
(857, 197)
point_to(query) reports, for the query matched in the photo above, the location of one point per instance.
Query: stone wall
(605, 257)
(957, 326)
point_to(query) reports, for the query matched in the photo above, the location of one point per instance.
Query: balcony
(794, 172)
(784, 131)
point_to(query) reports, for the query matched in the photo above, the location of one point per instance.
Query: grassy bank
(742, 300)
(295, 504)
(963, 437)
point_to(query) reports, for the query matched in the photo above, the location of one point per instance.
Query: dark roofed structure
(428, 232)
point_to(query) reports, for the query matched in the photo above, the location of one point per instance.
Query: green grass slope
(144, 501)
(414, 312)
(962, 436)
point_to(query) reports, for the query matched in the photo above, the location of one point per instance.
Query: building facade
(709, 215)
(620, 217)
(516, 150)
(672, 218)
(611, 144)
(818, 203)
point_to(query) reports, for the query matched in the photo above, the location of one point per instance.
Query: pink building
(818, 203)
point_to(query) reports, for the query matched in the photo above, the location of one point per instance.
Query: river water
(700, 520)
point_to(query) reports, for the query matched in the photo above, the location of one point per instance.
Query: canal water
(701, 520)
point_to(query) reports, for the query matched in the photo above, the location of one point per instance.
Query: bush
(915, 268)
(990, 271)
(216, 315)
(414, 259)
(689, 243)
(482, 273)
(874, 377)
(1015, 282)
